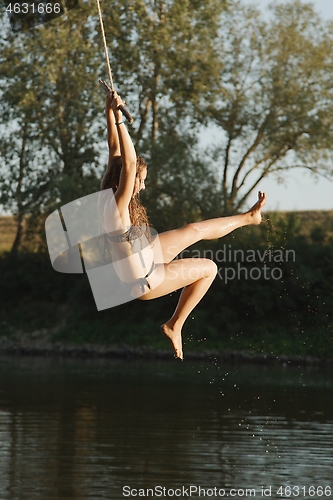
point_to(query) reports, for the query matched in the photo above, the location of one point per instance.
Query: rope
(122, 108)
(104, 43)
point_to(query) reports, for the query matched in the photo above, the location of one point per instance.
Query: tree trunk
(19, 198)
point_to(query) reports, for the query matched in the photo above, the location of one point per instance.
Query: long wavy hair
(137, 212)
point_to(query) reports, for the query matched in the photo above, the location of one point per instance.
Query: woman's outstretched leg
(175, 241)
(194, 275)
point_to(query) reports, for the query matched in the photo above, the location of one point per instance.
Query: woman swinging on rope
(125, 175)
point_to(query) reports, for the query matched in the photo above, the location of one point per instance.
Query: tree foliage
(50, 77)
(50, 115)
(164, 54)
(274, 103)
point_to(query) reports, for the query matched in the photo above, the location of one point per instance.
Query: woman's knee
(207, 268)
(194, 228)
(212, 268)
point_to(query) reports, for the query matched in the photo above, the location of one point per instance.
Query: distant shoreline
(28, 346)
(309, 218)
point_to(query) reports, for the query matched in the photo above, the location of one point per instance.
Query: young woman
(126, 174)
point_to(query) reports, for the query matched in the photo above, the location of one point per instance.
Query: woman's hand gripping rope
(122, 108)
(116, 104)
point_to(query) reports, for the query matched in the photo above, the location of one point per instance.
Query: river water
(105, 429)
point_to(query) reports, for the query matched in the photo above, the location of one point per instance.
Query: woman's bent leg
(189, 298)
(175, 241)
(195, 276)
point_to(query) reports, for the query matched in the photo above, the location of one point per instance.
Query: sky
(299, 191)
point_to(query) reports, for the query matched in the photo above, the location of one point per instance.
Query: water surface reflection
(85, 428)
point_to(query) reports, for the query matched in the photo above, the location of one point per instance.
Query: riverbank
(39, 343)
(275, 309)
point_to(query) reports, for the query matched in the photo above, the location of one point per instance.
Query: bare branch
(260, 136)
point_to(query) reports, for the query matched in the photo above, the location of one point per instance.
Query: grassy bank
(7, 232)
(287, 316)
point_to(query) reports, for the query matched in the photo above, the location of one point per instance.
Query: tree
(275, 97)
(163, 52)
(163, 56)
(186, 189)
(50, 113)
(24, 173)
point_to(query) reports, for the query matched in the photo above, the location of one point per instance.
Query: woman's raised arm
(125, 189)
(113, 140)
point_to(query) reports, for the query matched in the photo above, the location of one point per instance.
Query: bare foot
(175, 337)
(255, 211)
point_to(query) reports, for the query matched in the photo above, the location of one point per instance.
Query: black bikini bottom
(142, 282)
